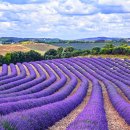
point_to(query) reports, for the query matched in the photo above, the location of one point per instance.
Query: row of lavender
(34, 103)
(121, 105)
(39, 104)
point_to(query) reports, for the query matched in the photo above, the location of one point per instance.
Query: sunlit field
(70, 93)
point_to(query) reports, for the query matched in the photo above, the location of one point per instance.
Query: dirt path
(0, 69)
(121, 93)
(76, 88)
(9, 69)
(62, 124)
(27, 71)
(37, 73)
(18, 70)
(68, 79)
(57, 76)
(47, 75)
(115, 121)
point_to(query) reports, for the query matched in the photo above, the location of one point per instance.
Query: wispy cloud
(67, 19)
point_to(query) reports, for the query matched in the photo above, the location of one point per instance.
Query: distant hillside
(41, 48)
(100, 38)
(8, 40)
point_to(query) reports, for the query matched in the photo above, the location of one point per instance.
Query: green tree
(33, 56)
(77, 53)
(8, 58)
(96, 50)
(124, 45)
(66, 55)
(106, 51)
(18, 57)
(85, 52)
(59, 52)
(1, 60)
(117, 50)
(109, 45)
(50, 53)
(69, 49)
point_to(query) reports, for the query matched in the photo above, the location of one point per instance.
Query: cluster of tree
(64, 53)
(123, 49)
(15, 57)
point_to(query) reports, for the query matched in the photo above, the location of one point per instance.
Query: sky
(65, 19)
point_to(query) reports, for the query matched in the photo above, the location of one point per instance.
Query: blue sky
(65, 19)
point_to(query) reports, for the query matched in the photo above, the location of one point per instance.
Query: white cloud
(125, 4)
(44, 29)
(5, 25)
(76, 7)
(65, 18)
(1, 14)
(112, 2)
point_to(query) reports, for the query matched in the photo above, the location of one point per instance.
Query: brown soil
(121, 93)
(0, 69)
(115, 121)
(12, 48)
(47, 75)
(18, 70)
(54, 73)
(68, 79)
(37, 74)
(41, 47)
(58, 78)
(67, 82)
(27, 71)
(9, 70)
(76, 88)
(63, 123)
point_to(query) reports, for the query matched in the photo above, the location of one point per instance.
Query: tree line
(15, 57)
(123, 49)
(32, 55)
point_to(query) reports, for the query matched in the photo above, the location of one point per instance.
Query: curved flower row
(115, 67)
(13, 73)
(113, 73)
(93, 116)
(42, 117)
(4, 70)
(118, 102)
(35, 88)
(18, 77)
(114, 70)
(31, 100)
(106, 74)
(16, 83)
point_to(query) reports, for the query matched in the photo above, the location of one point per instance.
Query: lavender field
(66, 94)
